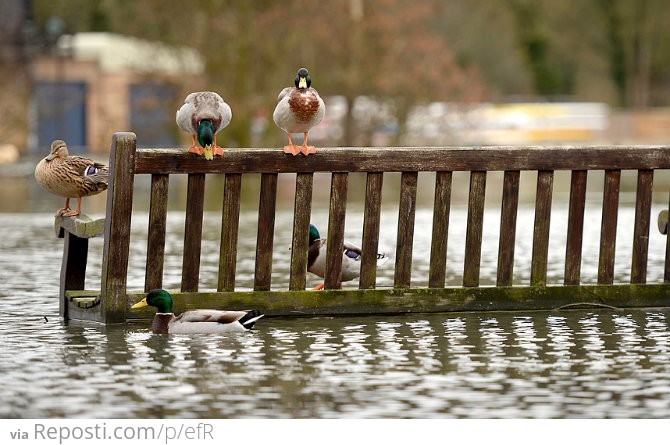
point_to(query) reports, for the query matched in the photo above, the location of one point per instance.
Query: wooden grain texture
(230, 222)
(473, 236)
(438, 247)
(405, 237)
(156, 232)
(507, 237)
(266, 230)
(608, 227)
(195, 205)
(666, 273)
(73, 269)
(645, 182)
(573, 245)
(371, 225)
(117, 227)
(82, 226)
(336, 219)
(302, 213)
(538, 268)
(398, 159)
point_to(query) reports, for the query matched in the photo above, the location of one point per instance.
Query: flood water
(592, 363)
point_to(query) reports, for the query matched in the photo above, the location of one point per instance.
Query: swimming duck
(299, 109)
(70, 176)
(198, 321)
(203, 115)
(316, 257)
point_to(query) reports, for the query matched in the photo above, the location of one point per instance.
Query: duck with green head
(203, 115)
(198, 321)
(316, 257)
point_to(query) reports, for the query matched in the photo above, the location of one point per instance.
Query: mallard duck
(198, 321)
(203, 115)
(316, 257)
(299, 109)
(70, 176)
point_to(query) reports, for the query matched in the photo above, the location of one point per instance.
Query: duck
(197, 321)
(203, 115)
(316, 257)
(70, 176)
(298, 110)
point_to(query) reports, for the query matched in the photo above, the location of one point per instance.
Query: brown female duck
(70, 176)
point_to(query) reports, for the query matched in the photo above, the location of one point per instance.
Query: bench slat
(507, 237)
(302, 212)
(336, 218)
(645, 180)
(538, 268)
(156, 233)
(473, 236)
(573, 246)
(405, 238)
(230, 222)
(371, 225)
(195, 205)
(438, 246)
(608, 227)
(266, 231)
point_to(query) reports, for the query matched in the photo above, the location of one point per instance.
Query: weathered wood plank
(573, 247)
(336, 218)
(405, 237)
(608, 227)
(538, 268)
(371, 225)
(666, 273)
(266, 230)
(230, 222)
(73, 268)
(195, 206)
(82, 226)
(645, 180)
(302, 213)
(375, 159)
(438, 247)
(473, 235)
(507, 238)
(153, 278)
(117, 227)
(402, 301)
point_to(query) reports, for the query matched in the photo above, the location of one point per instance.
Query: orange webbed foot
(71, 213)
(195, 149)
(291, 149)
(218, 151)
(306, 150)
(318, 287)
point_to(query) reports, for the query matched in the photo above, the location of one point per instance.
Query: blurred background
(393, 72)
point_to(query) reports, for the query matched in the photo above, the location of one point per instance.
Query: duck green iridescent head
(158, 298)
(206, 137)
(313, 233)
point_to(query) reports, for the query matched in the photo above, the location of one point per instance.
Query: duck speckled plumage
(299, 109)
(198, 321)
(70, 176)
(203, 115)
(316, 257)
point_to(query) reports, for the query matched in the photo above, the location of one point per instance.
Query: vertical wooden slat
(117, 228)
(666, 273)
(608, 226)
(156, 233)
(438, 246)
(371, 222)
(508, 214)
(538, 267)
(473, 236)
(573, 245)
(266, 230)
(405, 238)
(230, 222)
(195, 205)
(73, 268)
(302, 212)
(645, 179)
(336, 218)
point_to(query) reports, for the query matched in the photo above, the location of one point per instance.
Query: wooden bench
(110, 303)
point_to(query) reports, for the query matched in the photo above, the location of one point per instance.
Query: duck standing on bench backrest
(70, 176)
(299, 109)
(316, 257)
(203, 115)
